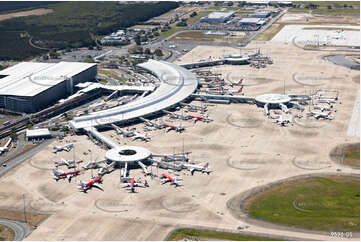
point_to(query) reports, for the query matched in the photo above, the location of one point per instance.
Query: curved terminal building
(176, 85)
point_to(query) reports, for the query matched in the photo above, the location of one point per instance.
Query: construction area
(182, 144)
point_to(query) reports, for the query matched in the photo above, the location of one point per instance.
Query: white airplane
(5, 147)
(67, 148)
(144, 168)
(283, 121)
(107, 169)
(152, 124)
(174, 115)
(140, 136)
(93, 164)
(328, 101)
(319, 115)
(173, 181)
(178, 129)
(322, 107)
(199, 167)
(168, 165)
(225, 91)
(68, 163)
(122, 132)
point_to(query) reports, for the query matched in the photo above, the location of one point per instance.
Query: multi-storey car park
(29, 87)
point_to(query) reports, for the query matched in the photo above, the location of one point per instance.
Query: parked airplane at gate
(67, 148)
(178, 129)
(132, 184)
(319, 115)
(93, 183)
(68, 163)
(93, 164)
(58, 174)
(199, 167)
(204, 118)
(322, 107)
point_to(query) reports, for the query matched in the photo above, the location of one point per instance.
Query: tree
(158, 52)
(14, 136)
(329, 6)
(193, 14)
(137, 40)
(147, 51)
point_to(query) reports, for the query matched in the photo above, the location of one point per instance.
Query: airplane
(322, 107)
(282, 121)
(328, 101)
(122, 132)
(173, 181)
(178, 129)
(204, 118)
(140, 136)
(67, 148)
(174, 115)
(93, 164)
(5, 147)
(93, 183)
(127, 100)
(194, 107)
(225, 91)
(152, 124)
(132, 184)
(68, 163)
(168, 165)
(192, 168)
(144, 168)
(106, 169)
(318, 115)
(61, 174)
(239, 83)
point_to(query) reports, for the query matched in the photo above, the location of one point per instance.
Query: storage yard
(183, 145)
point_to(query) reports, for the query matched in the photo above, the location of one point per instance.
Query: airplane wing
(97, 185)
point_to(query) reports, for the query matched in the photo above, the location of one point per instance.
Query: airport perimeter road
(23, 157)
(20, 229)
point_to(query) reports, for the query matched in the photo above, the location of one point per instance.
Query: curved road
(20, 229)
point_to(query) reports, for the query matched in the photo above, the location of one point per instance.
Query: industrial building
(262, 14)
(217, 17)
(252, 21)
(38, 134)
(29, 87)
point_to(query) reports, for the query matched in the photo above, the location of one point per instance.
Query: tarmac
(241, 154)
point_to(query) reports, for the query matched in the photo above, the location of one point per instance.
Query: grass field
(199, 15)
(170, 32)
(6, 234)
(193, 234)
(326, 204)
(270, 32)
(32, 218)
(352, 155)
(200, 36)
(336, 11)
(111, 74)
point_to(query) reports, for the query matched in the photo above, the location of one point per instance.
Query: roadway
(23, 157)
(20, 229)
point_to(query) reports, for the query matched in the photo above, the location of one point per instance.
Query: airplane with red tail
(204, 118)
(173, 181)
(178, 129)
(133, 184)
(62, 175)
(93, 183)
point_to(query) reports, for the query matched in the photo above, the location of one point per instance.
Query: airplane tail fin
(240, 81)
(240, 90)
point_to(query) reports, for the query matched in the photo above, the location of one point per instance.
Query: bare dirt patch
(32, 218)
(39, 11)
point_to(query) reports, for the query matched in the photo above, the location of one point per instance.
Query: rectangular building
(217, 17)
(29, 87)
(252, 21)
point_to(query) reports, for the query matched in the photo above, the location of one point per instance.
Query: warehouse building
(29, 87)
(252, 21)
(217, 17)
(262, 14)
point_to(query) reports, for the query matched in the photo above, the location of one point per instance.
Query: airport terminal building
(29, 87)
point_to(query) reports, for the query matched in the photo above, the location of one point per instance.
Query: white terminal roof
(31, 78)
(139, 153)
(37, 132)
(251, 20)
(219, 14)
(176, 85)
